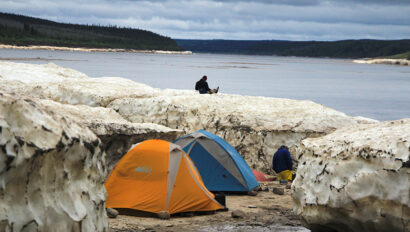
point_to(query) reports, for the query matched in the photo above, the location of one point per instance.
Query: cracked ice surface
(51, 171)
(356, 179)
(81, 98)
(256, 126)
(55, 156)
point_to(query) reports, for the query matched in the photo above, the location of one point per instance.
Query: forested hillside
(337, 49)
(22, 30)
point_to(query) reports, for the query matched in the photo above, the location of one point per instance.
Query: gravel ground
(265, 212)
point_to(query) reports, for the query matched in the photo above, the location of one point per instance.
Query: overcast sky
(230, 19)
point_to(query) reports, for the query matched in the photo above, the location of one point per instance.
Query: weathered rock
(279, 191)
(253, 193)
(112, 213)
(356, 179)
(263, 188)
(164, 215)
(238, 214)
(51, 170)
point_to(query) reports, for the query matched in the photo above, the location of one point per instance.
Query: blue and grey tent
(221, 167)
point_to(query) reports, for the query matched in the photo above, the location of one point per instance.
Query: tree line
(337, 49)
(22, 30)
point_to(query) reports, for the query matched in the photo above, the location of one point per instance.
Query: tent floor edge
(223, 210)
(134, 212)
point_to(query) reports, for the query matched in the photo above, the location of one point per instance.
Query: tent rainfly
(221, 167)
(157, 176)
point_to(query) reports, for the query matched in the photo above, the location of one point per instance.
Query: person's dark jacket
(282, 160)
(202, 86)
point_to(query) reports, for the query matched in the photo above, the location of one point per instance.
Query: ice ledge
(355, 179)
(256, 126)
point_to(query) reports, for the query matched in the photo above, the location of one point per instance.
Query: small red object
(260, 176)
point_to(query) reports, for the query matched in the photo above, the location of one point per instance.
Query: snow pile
(54, 157)
(256, 126)
(116, 134)
(68, 86)
(51, 171)
(356, 179)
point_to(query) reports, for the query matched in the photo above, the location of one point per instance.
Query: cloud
(229, 19)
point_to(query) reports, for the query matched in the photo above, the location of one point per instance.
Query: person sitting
(282, 164)
(202, 86)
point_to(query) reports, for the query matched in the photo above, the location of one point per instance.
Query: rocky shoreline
(55, 48)
(56, 121)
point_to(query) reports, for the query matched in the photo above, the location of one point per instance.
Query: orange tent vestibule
(158, 176)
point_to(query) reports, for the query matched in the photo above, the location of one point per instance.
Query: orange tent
(159, 177)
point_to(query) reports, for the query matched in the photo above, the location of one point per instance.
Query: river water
(380, 92)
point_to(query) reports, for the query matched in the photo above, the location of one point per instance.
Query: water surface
(381, 92)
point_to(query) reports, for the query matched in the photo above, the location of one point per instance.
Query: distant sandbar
(383, 61)
(54, 48)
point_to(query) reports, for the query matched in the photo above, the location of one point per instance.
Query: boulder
(51, 170)
(164, 215)
(238, 214)
(278, 191)
(355, 179)
(112, 213)
(253, 193)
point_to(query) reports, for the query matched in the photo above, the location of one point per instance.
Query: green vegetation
(405, 55)
(21, 30)
(336, 49)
